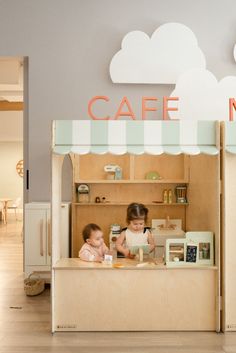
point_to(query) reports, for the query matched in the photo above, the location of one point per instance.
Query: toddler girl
(136, 233)
(94, 248)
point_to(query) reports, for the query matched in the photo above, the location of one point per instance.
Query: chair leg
(15, 214)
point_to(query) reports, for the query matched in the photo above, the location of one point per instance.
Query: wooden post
(57, 161)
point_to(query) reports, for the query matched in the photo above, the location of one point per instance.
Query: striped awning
(136, 137)
(230, 136)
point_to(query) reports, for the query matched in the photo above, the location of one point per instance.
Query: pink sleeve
(86, 255)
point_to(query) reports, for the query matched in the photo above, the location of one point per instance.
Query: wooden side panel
(75, 159)
(75, 174)
(57, 161)
(230, 243)
(172, 300)
(203, 212)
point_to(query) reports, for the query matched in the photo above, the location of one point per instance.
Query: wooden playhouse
(88, 296)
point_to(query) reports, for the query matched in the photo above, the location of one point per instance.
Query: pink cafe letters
(148, 104)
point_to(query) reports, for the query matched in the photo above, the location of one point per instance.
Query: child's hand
(126, 252)
(99, 259)
(128, 255)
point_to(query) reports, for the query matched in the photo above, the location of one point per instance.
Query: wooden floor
(25, 321)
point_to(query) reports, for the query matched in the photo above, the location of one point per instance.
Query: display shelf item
(176, 252)
(197, 249)
(205, 243)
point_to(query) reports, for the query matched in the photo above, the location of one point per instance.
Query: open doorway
(11, 155)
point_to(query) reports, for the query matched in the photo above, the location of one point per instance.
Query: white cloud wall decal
(171, 50)
(201, 96)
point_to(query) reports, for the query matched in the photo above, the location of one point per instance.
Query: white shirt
(134, 239)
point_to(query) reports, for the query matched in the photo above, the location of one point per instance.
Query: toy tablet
(135, 249)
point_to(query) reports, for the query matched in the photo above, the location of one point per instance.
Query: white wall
(70, 44)
(11, 184)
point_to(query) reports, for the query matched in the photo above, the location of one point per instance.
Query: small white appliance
(83, 193)
(113, 171)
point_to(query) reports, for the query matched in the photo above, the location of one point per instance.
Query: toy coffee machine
(115, 231)
(83, 193)
(113, 171)
(181, 193)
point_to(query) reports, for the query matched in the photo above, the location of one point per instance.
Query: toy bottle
(165, 196)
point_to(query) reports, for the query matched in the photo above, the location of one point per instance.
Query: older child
(136, 233)
(94, 248)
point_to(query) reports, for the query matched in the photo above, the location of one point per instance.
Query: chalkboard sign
(191, 253)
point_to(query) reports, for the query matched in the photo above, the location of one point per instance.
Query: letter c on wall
(105, 98)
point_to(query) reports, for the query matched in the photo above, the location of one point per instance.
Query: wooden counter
(124, 264)
(98, 297)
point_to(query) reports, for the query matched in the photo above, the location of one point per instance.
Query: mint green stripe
(135, 137)
(230, 136)
(206, 133)
(170, 133)
(99, 136)
(173, 150)
(206, 136)
(230, 132)
(231, 149)
(210, 150)
(63, 134)
(62, 149)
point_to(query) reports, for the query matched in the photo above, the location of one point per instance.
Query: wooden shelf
(126, 204)
(133, 187)
(133, 181)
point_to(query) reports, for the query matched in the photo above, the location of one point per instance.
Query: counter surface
(123, 264)
(102, 298)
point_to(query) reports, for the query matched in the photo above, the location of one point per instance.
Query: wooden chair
(15, 205)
